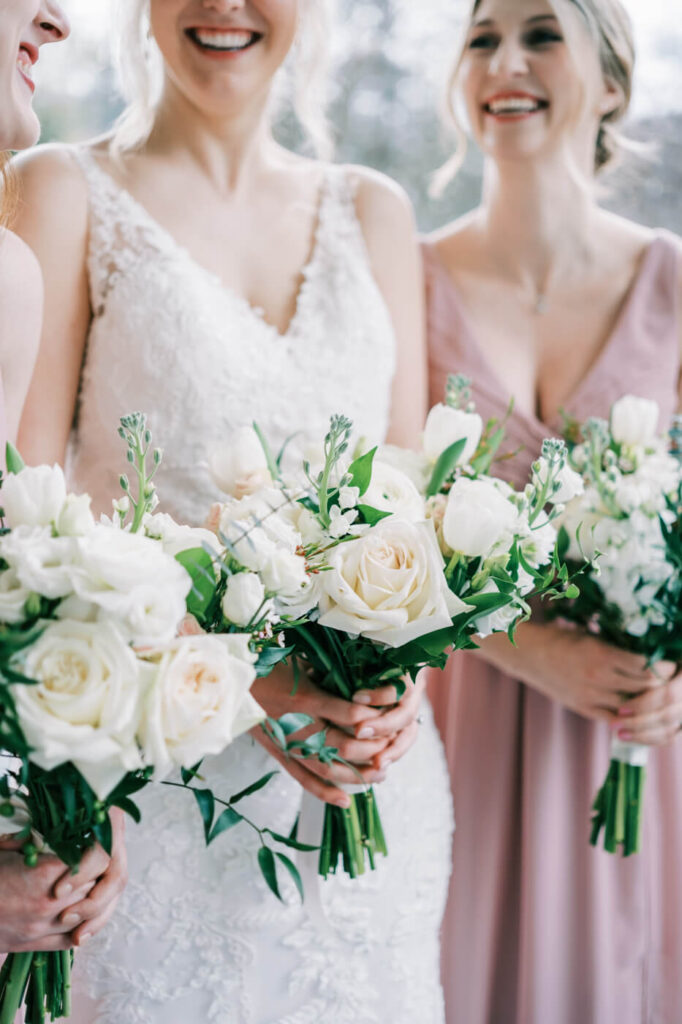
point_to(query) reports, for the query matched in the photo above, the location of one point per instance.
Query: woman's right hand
(341, 719)
(579, 670)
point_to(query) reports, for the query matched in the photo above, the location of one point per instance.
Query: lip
(32, 53)
(513, 94)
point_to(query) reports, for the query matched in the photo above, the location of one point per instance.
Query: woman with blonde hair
(197, 270)
(541, 295)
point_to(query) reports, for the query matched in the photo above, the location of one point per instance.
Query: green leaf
(227, 820)
(190, 774)
(268, 867)
(199, 565)
(253, 788)
(273, 464)
(271, 656)
(292, 842)
(445, 467)
(206, 802)
(294, 722)
(13, 459)
(294, 872)
(372, 516)
(129, 808)
(360, 471)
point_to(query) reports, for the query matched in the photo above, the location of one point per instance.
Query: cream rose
(239, 466)
(388, 584)
(199, 701)
(445, 425)
(391, 490)
(85, 706)
(44, 564)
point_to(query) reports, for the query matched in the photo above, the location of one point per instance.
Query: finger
(652, 701)
(94, 863)
(606, 699)
(356, 750)
(658, 736)
(391, 722)
(665, 717)
(86, 931)
(381, 697)
(312, 783)
(50, 944)
(399, 747)
(343, 775)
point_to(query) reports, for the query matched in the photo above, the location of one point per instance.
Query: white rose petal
(75, 518)
(570, 484)
(199, 701)
(388, 585)
(239, 467)
(445, 425)
(174, 537)
(13, 598)
(85, 706)
(44, 564)
(477, 516)
(33, 497)
(634, 420)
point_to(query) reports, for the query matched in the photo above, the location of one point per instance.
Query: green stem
(66, 957)
(16, 986)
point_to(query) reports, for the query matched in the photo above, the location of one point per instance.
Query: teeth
(225, 40)
(513, 105)
(24, 63)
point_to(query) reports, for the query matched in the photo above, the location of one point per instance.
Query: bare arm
(53, 221)
(390, 233)
(21, 313)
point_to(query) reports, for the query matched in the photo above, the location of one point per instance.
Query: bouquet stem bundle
(41, 980)
(618, 808)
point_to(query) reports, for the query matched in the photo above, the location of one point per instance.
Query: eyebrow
(487, 22)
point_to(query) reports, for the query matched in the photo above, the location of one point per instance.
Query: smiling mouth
(222, 40)
(25, 66)
(514, 106)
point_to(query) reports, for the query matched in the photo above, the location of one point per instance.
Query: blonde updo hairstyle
(302, 80)
(611, 30)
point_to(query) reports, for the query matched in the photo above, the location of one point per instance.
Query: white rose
(634, 420)
(33, 497)
(568, 483)
(415, 465)
(43, 563)
(13, 598)
(85, 706)
(477, 516)
(388, 584)
(199, 701)
(284, 572)
(391, 490)
(244, 599)
(175, 537)
(239, 467)
(75, 518)
(133, 581)
(445, 425)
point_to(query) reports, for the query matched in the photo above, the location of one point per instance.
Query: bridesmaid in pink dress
(541, 295)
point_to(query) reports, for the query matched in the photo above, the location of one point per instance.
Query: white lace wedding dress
(197, 937)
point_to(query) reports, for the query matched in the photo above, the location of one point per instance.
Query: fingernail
(624, 734)
(366, 733)
(343, 802)
(362, 698)
(71, 918)
(624, 712)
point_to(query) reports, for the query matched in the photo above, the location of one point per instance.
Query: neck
(229, 150)
(538, 221)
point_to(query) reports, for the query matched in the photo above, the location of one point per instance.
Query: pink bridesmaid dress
(540, 927)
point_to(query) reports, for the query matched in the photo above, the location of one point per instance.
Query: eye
(486, 41)
(539, 37)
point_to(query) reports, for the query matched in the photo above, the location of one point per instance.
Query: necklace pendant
(542, 305)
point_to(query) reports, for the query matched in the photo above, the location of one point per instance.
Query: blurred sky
(419, 43)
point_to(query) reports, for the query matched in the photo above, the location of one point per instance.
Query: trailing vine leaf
(226, 820)
(199, 564)
(293, 871)
(253, 788)
(268, 867)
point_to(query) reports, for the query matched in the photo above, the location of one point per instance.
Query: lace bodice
(197, 936)
(170, 339)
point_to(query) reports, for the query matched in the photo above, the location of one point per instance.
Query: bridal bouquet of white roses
(627, 522)
(99, 691)
(346, 561)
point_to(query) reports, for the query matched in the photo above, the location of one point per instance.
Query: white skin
(46, 907)
(538, 231)
(212, 140)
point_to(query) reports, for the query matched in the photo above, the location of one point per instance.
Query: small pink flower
(213, 521)
(190, 627)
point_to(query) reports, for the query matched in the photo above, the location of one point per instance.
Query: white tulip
(239, 466)
(75, 518)
(34, 496)
(634, 420)
(445, 425)
(478, 515)
(43, 563)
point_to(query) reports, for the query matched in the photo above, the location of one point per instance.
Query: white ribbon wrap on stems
(629, 753)
(310, 826)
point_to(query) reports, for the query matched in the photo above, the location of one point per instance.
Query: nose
(509, 59)
(51, 22)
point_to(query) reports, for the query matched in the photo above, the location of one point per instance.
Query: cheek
(470, 88)
(283, 18)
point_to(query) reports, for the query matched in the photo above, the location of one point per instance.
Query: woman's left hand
(654, 718)
(399, 724)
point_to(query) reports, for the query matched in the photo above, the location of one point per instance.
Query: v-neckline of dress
(214, 279)
(534, 421)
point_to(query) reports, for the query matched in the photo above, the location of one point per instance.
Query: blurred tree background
(390, 62)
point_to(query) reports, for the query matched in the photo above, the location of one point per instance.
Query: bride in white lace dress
(174, 285)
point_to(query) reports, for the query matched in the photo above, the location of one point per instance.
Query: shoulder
(453, 243)
(52, 176)
(380, 201)
(21, 282)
